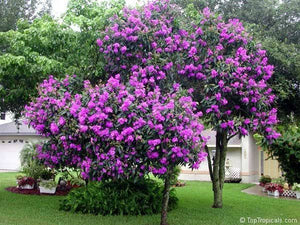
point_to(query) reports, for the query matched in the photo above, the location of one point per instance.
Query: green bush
(286, 150)
(279, 180)
(175, 175)
(118, 198)
(34, 169)
(31, 166)
(265, 179)
(28, 154)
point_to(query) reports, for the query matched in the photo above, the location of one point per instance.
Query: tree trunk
(165, 201)
(219, 168)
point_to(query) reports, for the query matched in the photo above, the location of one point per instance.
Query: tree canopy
(13, 10)
(47, 46)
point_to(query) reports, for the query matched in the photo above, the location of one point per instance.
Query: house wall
(246, 158)
(10, 148)
(202, 174)
(250, 160)
(271, 167)
(8, 118)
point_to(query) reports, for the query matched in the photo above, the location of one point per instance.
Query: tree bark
(209, 163)
(219, 168)
(165, 201)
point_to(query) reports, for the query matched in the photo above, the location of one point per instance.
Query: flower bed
(59, 191)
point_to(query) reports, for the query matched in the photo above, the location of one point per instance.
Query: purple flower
(83, 128)
(245, 100)
(61, 121)
(123, 49)
(99, 42)
(54, 128)
(214, 73)
(221, 83)
(192, 51)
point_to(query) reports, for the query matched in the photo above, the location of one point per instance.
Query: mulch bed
(59, 191)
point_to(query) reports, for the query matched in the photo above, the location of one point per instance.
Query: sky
(60, 6)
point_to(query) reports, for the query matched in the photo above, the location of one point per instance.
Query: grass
(195, 200)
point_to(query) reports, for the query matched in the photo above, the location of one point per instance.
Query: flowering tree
(114, 132)
(161, 43)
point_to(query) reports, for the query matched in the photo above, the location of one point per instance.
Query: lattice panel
(289, 193)
(235, 173)
(227, 173)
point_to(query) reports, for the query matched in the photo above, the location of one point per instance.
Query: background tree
(276, 25)
(13, 10)
(46, 46)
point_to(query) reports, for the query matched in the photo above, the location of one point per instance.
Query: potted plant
(47, 187)
(26, 183)
(47, 175)
(296, 188)
(274, 189)
(263, 181)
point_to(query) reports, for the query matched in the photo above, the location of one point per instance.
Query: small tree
(162, 43)
(116, 132)
(286, 150)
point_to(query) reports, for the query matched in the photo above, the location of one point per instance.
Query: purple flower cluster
(231, 74)
(109, 132)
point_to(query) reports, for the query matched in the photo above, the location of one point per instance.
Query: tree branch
(209, 163)
(231, 136)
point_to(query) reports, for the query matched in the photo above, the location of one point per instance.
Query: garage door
(9, 154)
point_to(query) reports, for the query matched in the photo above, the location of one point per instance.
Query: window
(2, 116)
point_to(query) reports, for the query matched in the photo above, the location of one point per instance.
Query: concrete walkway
(257, 190)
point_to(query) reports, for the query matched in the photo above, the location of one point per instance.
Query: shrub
(31, 166)
(279, 180)
(264, 180)
(28, 154)
(233, 180)
(77, 181)
(296, 187)
(286, 150)
(118, 197)
(33, 170)
(175, 175)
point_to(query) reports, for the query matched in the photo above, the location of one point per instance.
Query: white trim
(228, 146)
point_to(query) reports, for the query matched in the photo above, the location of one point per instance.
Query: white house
(12, 140)
(243, 155)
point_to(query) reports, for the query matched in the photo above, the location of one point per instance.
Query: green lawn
(195, 201)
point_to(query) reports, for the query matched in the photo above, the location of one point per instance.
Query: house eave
(228, 146)
(18, 134)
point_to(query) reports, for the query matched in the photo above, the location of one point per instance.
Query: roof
(11, 128)
(233, 142)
